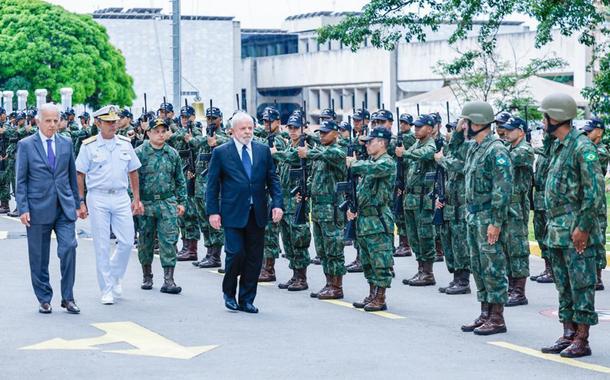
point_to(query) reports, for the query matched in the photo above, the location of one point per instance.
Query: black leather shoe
(248, 308)
(230, 303)
(70, 307)
(45, 308)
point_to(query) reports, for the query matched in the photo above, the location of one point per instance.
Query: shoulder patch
(590, 156)
(124, 138)
(502, 161)
(89, 140)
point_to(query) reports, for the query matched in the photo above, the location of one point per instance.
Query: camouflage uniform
(488, 178)
(600, 249)
(162, 188)
(541, 170)
(408, 139)
(573, 191)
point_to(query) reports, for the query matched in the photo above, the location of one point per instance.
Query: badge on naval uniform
(590, 156)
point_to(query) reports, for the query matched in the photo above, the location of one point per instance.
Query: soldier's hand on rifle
(350, 160)
(212, 141)
(188, 137)
(190, 175)
(351, 215)
(180, 209)
(399, 151)
(302, 151)
(438, 156)
(439, 204)
(398, 192)
(273, 150)
(493, 233)
(215, 221)
(580, 238)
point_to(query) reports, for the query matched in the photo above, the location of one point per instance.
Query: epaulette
(89, 140)
(124, 138)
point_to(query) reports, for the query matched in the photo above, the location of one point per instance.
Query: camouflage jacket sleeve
(180, 181)
(591, 185)
(421, 151)
(522, 156)
(502, 183)
(374, 169)
(604, 157)
(454, 160)
(334, 155)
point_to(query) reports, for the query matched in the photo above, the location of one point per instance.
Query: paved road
(292, 337)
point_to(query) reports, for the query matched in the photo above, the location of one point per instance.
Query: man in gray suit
(47, 200)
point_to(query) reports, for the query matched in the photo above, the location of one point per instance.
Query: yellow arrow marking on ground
(384, 314)
(147, 343)
(552, 357)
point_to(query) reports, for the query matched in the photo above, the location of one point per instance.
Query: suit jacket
(38, 188)
(229, 189)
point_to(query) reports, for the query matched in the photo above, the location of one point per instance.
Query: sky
(251, 13)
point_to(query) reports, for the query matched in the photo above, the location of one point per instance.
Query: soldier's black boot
(378, 302)
(285, 285)
(184, 247)
(546, 277)
(213, 261)
(190, 254)
(169, 286)
(480, 319)
(407, 281)
(517, 297)
(426, 276)
(495, 323)
(301, 281)
(599, 284)
(147, 282)
(442, 289)
(462, 285)
(367, 299)
(4, 208)
(438, 247)
(580, 344)
(564, 341)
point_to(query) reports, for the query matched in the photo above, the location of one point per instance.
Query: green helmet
(560, 107)
(478, 112)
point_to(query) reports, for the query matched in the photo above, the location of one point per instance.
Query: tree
(387, 22)
(51, 48)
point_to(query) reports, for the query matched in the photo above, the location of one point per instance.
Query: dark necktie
(245, 160)
(50, 154)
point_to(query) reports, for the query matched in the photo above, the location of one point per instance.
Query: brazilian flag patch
(502, 161)
(590, 156)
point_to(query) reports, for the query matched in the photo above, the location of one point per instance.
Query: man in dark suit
(241, 177)
(47, 200)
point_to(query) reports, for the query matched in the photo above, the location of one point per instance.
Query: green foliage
(387, 22)
(52, 48)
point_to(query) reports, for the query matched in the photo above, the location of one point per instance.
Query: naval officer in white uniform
(107, 163)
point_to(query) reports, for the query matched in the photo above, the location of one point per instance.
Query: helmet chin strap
(472, 133)
(550, 127)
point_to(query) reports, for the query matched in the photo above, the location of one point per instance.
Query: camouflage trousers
(575, 281)
(420, 231)
(487, 262)
(401, 227)
(457, 256)
(211, 237)
(11, 175)
(375, 253)
(539, 232)
(516, 246)
(189, 221)
(272, 241)
(160, 220)
(600, 249)
(296, 239)
(5, 183)
(328, 240)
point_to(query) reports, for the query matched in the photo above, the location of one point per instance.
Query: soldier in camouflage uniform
(573, 191)
(21, 130)
(184, 140)
(516, 243)
(212, 238)
(62, 129)
(374, 218)
(166, 112)
(163, 194)
(328, 168)
(295, 237)
(5, 191)
(488, 176)
(438, 136)
(453, 230)
(594, 129)
(541, 169)
(408, 139)
(124, 125)
(418, 207)
(271, 136)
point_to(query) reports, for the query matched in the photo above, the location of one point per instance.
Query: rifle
(145, 118)
(300, 216)
(528, 134)
(3, 139)
(237, 100)
(417, 109)
(190, 160)
(438, 191)
(210, 131)
(399, 186)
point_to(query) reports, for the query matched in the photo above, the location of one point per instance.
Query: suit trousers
(244, 256)
(39, 244)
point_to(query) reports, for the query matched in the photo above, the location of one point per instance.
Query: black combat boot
(147, 282)
(462, 285)
(169, 286)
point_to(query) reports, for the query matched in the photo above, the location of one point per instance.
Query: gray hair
(47, 107)
(241, 117)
